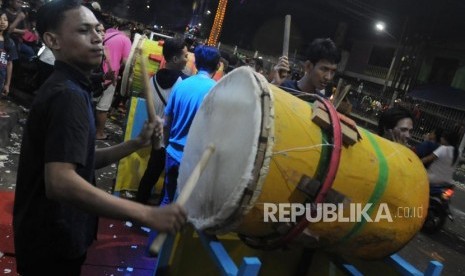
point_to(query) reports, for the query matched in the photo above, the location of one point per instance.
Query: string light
(217, 23)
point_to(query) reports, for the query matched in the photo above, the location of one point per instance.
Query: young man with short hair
(175, 54)
(322, 57)
(56, 201)
(185, 100)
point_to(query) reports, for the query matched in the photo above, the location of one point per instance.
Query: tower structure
(217, 23)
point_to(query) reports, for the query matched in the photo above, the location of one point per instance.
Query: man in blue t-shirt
(185, 99)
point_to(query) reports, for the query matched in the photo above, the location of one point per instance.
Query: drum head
(236, 117)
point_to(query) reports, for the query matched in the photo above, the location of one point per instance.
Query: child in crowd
(8, 53)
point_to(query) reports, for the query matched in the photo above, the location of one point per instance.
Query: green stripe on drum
(379, 190)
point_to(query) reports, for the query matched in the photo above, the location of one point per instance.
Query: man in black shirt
(175, 53)
(56, 202)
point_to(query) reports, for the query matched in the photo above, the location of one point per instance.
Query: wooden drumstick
(287, 34)
(148, 94)
(185, 193)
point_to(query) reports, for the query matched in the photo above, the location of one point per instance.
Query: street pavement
(447, 246)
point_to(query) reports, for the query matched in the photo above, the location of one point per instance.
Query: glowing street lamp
(380, 26)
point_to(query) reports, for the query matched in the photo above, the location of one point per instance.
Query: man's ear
(308, 66)
(51, 40)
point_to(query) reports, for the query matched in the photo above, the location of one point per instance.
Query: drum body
(132, 83)
(266, 143)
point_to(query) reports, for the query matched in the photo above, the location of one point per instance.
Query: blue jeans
(171, 179)
(26, 51)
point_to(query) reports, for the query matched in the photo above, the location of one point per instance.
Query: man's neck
(304, 85)
(206, 73)
(86, 73)
(171, 66)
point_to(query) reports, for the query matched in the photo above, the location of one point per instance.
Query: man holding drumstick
(322, 57)
(56, 201)
(175, 53)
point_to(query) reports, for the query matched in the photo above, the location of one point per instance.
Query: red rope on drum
(332, 170)
(336, 153)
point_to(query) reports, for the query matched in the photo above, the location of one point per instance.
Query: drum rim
(128, 71)
(262, 160)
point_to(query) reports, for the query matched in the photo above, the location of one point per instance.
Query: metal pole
(462, 143)
(396, 54)
(390, 69)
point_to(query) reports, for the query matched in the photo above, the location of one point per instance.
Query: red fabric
(6, 226)
(29, 36)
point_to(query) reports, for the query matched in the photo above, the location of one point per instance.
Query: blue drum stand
(250, 266)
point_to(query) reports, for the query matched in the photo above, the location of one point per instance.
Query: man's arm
(150, 133)
(126, 51)
(279, 72)
(109, 155)
(12, 28)
(62, 183)
(429, 159)
(9, 71)
(123, 62)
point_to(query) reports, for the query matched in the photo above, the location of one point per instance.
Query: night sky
(258, 24)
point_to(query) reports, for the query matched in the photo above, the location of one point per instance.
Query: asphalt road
(446, 246)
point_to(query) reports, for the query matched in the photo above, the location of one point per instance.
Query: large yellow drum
(132, 82)
(267, 146)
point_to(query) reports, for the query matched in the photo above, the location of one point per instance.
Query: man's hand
(168, 218)
(395, 136)
(144, 138)
(110, 76)
(6, 90)
(280, 72)
(151, 133)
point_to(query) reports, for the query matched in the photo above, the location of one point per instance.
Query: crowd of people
(57, 202)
